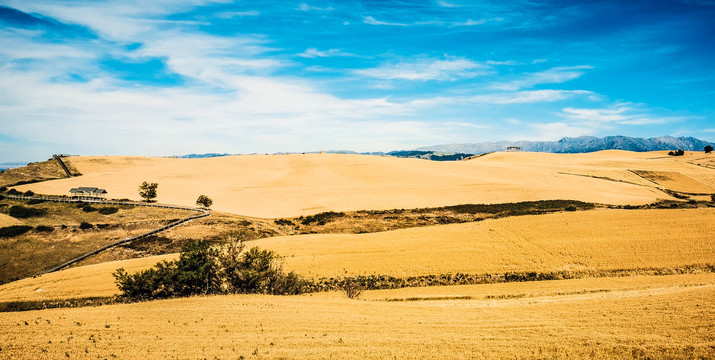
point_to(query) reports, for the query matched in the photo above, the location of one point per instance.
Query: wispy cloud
(469, 22)
(552, 76)
(620, 114)
(306, 7)
(315, 53)
(451, 68)
(233, 14)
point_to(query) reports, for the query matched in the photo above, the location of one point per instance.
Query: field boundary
(203, 213)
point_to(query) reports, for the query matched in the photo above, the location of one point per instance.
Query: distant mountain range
(578, 145)
(583, 144)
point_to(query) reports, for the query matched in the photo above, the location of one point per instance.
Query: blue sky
(170, 77)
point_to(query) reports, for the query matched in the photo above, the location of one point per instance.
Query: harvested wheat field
(599, 239)
(647, 320)
(569, 241)
(292, 185)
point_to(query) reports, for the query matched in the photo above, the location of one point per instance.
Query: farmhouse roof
(87, 190)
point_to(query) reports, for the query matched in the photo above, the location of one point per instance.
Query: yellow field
(6, 220)
(599, 239)
(291, 185)
(647, 318)
(602, 318)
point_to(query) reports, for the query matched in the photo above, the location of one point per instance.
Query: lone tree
(148, 190)
(708, 149)
(204, 201)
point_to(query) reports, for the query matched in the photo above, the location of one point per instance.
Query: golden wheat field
(291, 185)
(639, 316)
(590, 240)
(649, 320)
(599, 239)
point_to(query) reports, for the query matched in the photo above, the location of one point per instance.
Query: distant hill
(581, 144)
(201, 156)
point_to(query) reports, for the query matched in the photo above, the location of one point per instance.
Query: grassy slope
(35, 251)
(642, 319)
(601, 239)
(291, 185)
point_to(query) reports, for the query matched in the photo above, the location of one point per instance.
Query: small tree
(204, 201)
(352, 289)
(148, 190)
(708, 149)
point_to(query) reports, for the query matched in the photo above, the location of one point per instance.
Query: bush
(284, 222)
(204, 270)
(109, 210)
(35, 201)
(88, 208)
(23, 212)
(29, 193)
(14, 230)
(676, 153)
(44, 228)
(322, 218)
(3, 188)
(708, 149)
(13, 192)
(85, 226)
(352, 289)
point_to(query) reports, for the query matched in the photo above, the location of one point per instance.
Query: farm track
(203, 213)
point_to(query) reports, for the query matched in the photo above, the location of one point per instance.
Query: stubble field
(615, 308)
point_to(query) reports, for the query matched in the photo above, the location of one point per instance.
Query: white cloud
(233, 14)
(306, 7)
(621, 114)
(450, 69)
(372, 21)
(552, 76)
(315, 53)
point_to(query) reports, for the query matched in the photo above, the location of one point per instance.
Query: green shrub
(23, 212)
(88, 208)
(85, 226)
(284, 222)
(35, 201)
(14, 230)
(44, 228)
(205, 270)
(3, 188)
(29, 193)
(109, 210)
(13, 192)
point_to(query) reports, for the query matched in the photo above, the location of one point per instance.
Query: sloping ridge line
(62, 164)
(203, 213)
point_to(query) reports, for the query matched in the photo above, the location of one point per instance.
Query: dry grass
(599, 239)
(669, 321)
(676, 181)
(593, 240)
(6, 220)
(36, 251)
(39, 171)
(292, 185)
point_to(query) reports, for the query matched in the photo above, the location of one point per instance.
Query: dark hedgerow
(23, 212)
(14, 230)
(44, 228)
(109, 210)
(322, 218)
